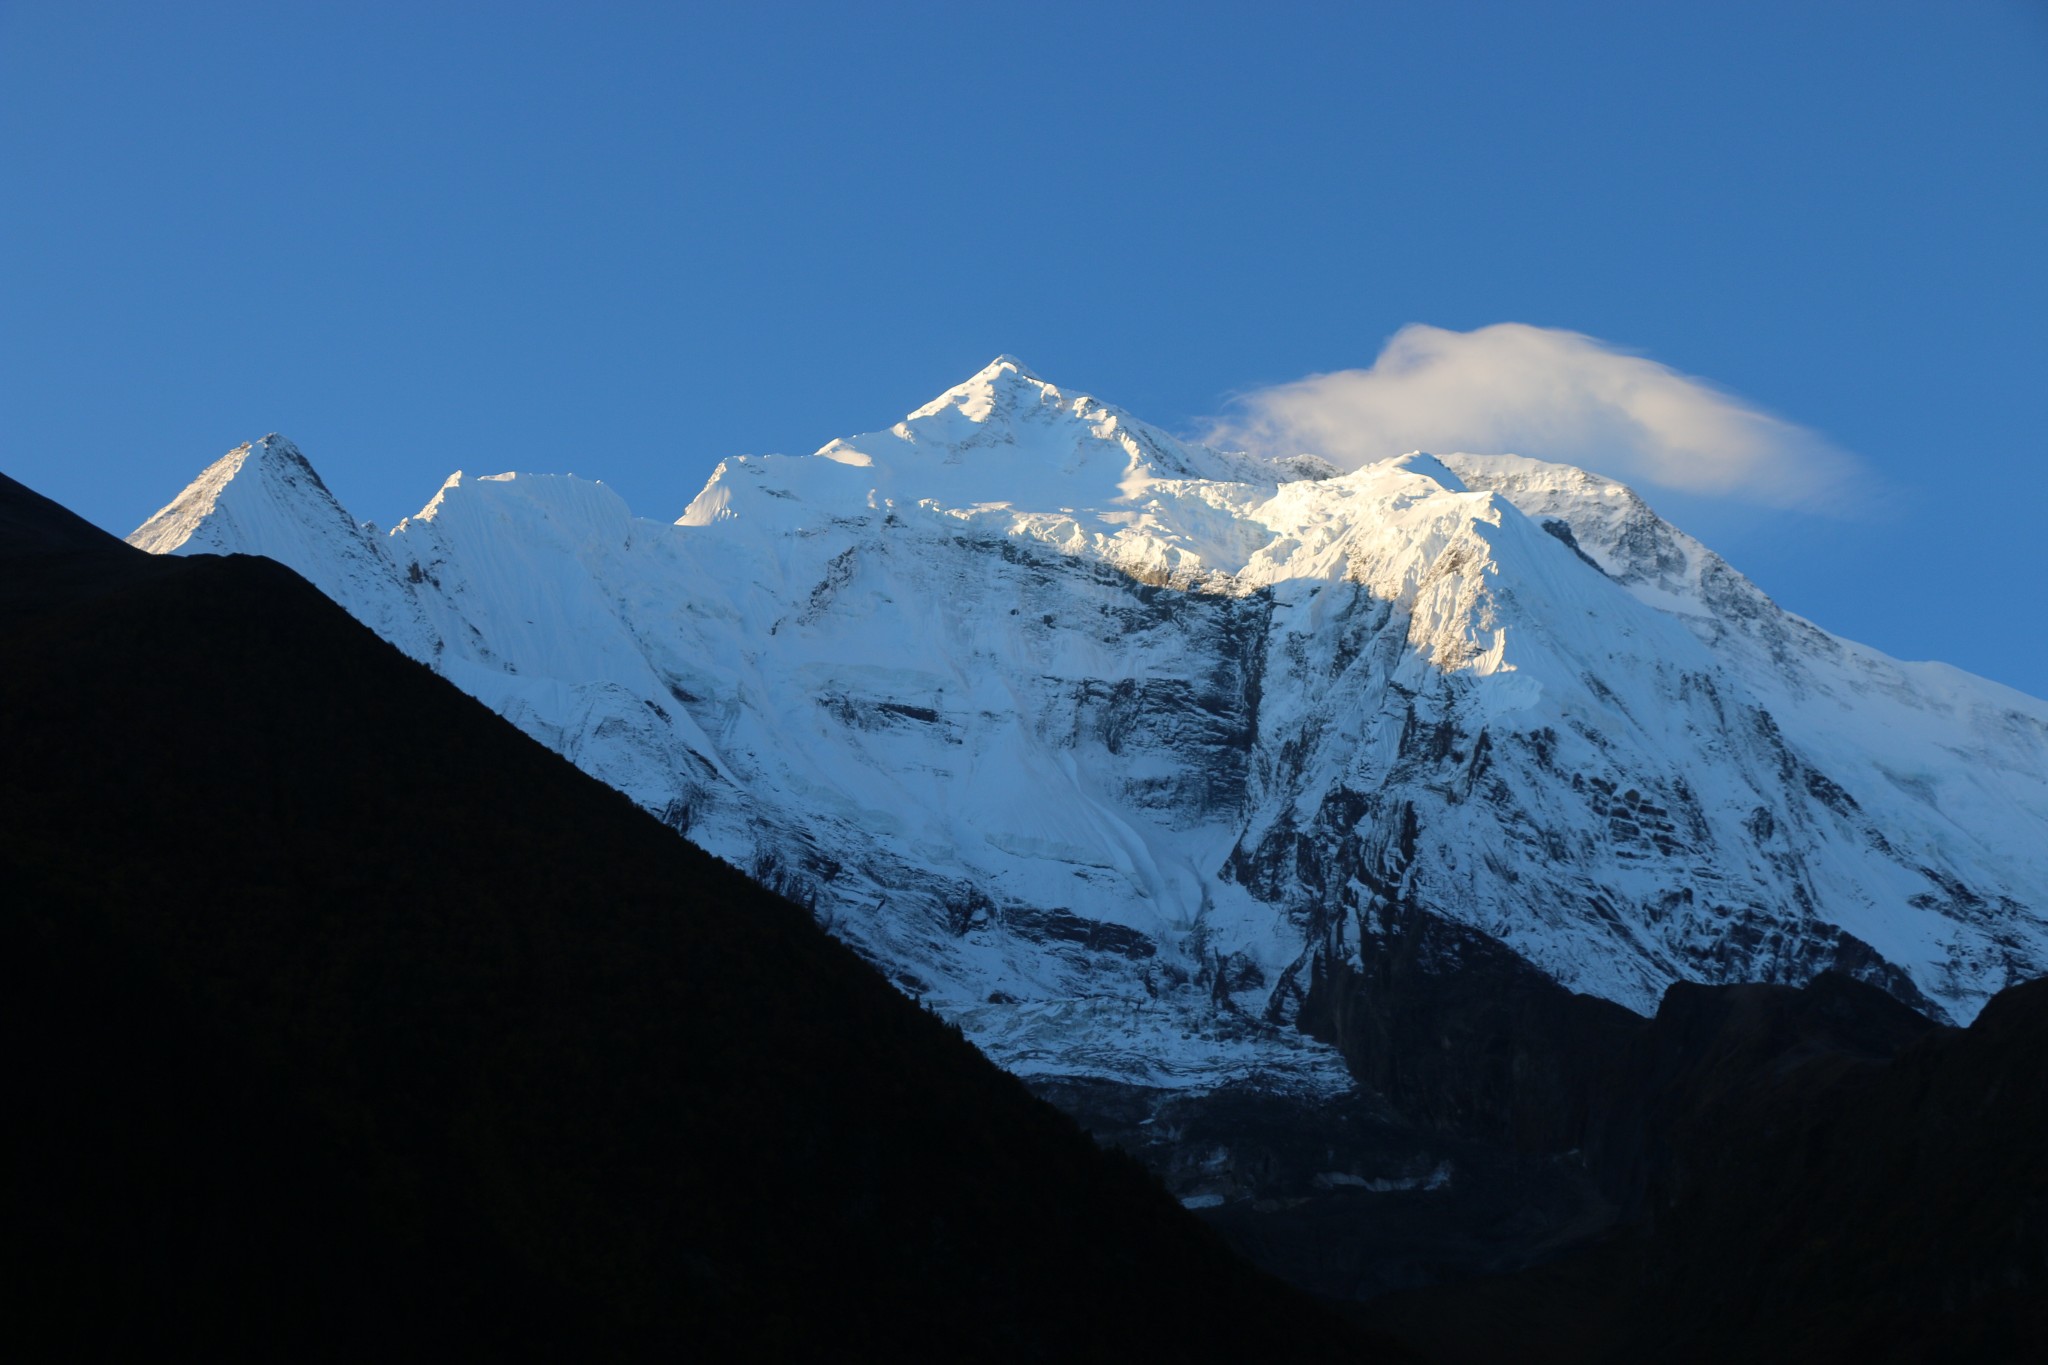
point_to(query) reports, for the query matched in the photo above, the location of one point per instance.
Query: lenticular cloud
(1552, 394)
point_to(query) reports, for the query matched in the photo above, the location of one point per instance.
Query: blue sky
(629, 240)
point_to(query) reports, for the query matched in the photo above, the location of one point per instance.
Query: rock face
(1147, 761)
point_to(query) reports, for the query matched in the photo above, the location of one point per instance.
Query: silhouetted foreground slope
(1813, 1175)
(344, 1017)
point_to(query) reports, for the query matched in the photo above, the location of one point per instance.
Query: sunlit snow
(1093, 738)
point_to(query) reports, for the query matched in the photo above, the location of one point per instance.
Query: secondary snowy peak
(1616, 530)
(260, 493)
(1661, 566)
(1112, 746)
(264, 498)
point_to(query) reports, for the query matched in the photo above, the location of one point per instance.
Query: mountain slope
(1825, 1177)
(345, 1019)
(1116, 749)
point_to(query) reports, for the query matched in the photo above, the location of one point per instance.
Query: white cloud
(1555, 395)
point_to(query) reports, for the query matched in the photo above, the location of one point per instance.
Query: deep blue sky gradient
(629, 240)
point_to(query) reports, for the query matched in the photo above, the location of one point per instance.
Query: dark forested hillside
(1813, 1174)
(341, 1017)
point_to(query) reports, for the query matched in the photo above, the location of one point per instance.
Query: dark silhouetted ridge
(1814, 1174)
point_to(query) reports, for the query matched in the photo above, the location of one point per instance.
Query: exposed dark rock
(1066, 927)
(1462, 1035)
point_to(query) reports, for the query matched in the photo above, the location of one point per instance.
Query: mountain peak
(265, 498)
(1429, 467)
(999, 388)
(254, 482)
(274, 453)
(1009, 364)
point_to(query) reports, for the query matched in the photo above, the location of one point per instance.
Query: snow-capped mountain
(1107, 745)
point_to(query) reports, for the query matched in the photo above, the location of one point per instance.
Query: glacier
(1109, 746)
